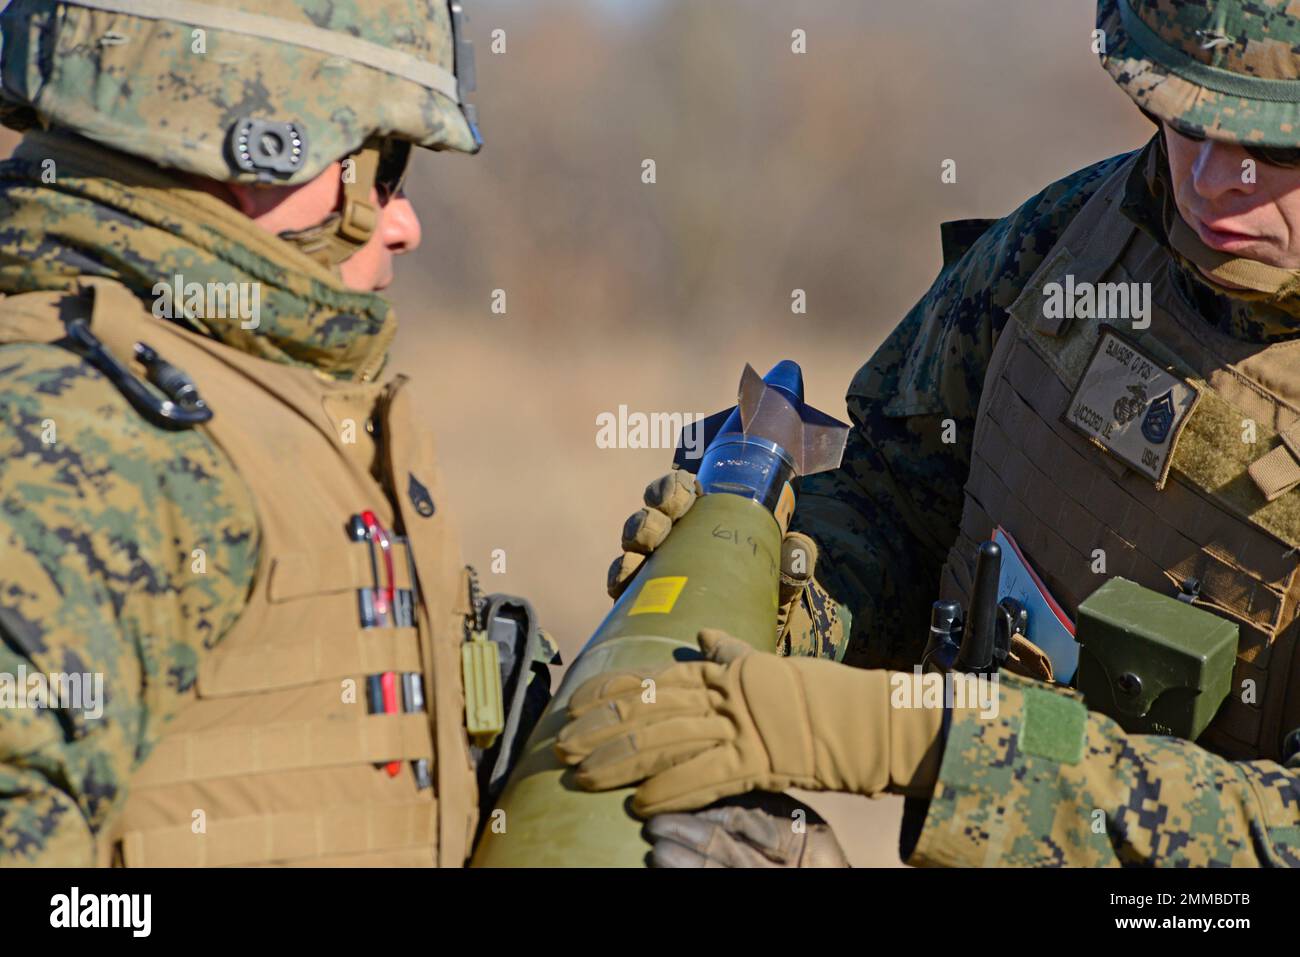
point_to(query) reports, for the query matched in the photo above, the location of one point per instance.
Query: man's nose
(1218, 169)
(400, 225)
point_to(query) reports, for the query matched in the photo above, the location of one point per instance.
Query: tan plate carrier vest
(281, 767)
(1061, 496)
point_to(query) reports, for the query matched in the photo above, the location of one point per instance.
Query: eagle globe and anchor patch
(1130, 405)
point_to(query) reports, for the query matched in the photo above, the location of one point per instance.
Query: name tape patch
(1129, 405)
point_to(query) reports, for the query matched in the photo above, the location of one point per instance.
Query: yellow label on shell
(658, 595)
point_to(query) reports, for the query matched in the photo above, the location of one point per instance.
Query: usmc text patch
(1129, 405)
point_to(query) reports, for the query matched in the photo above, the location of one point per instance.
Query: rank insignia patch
(1159, 417)
(1130, 405)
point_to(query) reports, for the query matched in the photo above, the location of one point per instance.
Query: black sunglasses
(390, 173)
(1284, 156)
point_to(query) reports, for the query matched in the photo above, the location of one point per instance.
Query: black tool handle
(945, 625)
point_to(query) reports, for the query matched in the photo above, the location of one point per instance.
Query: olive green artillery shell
(719, 568)
(1063, 497)
(276, 750)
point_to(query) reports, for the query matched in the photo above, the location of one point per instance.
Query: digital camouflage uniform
(104, 511)
(1047, 782)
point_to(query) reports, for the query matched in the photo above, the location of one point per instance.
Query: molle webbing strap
(1278, 472)
(305, 35)
(286, 837)
(227, 752)
(318, 658)
(300, 574)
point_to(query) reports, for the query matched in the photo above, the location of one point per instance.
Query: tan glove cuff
(915, 749)
(833, 727)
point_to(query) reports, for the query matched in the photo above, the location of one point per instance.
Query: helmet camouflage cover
(1226, 69)
(240, 90)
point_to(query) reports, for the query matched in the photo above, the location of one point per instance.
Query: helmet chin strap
(350, 227)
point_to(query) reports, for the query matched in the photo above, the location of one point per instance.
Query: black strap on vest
(179, 407)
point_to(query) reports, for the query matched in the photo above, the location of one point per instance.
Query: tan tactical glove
(706, 730)
(755, 830)
(667, 499)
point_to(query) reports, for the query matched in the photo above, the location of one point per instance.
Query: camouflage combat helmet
(258, 91)
(268, 91)
(1225, 69)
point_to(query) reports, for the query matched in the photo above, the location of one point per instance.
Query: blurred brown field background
(775, 172)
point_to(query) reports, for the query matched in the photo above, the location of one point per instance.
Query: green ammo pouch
(1155, 664)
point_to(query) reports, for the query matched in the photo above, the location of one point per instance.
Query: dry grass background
(775, 171)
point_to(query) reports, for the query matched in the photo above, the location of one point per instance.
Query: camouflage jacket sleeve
(885, 519)
(1045, 782)
(105, 601)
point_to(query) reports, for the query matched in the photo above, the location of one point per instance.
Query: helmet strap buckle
(360, 216)
(344, 231)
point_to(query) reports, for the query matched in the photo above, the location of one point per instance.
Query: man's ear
(255, 201)
(252, 201)
(281, 208)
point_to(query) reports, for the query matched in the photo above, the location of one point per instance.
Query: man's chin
(368, 281)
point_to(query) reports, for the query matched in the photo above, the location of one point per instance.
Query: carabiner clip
(183, 407)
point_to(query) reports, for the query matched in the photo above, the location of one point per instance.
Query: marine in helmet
(231, 598)
(963, 426)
